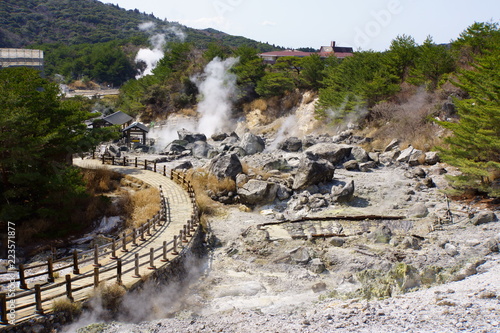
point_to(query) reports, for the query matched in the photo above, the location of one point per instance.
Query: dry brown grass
(410, 121)
(138, 207)
(101, 180)
(203, 183)
(255, 172)
(64, 305)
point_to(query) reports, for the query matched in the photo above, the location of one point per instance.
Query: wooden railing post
(76, 270)
(112, 160)
(69, 292)
(164, 259)
(50, 270)
(165, 171)
(22, 278)
(103, 161)
(145, 164)
(148, 231)
(113, 250)
(174, 250)
(136, 273)
(3, 308)
(136, 162)
(38, 300)
(96, 277)
(93, 154)
(152, 258)
(96, 256)
(134, 237)
(119, 271)
(124, 244)
(124, 161)
(142, 233)
(154, 166)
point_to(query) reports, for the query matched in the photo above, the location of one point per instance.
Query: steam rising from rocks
(217, 87)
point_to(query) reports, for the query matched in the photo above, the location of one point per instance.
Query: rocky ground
(321, 235)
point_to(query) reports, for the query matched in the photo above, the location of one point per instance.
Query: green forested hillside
(27, 22)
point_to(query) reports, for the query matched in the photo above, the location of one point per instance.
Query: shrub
(73, 309)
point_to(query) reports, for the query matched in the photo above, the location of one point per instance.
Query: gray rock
(190, 136)
(283, 192)
(343, 194)
(416, 158)
(300, 255)
(291, 144)
(359, 154)
(483, 217)
(257, 192)
(200, 149)
(418, 210)
(367, 166)
(312, 170)
(337, 241)
(183, 165)
(451, 249)
(332, 152)
(410, 242)
(432, 158)
(351, 165)
(318, 287)
(381, 235)
(405, 154)
(374, 156)
(317, 266)
(225, 166)
(219, 136)
(252, 143)
(392, 145)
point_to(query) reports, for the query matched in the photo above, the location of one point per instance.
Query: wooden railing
(40, 293)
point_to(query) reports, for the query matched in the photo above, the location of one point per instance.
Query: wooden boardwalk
(152, 252)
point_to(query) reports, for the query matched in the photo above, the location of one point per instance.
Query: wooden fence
(29, 298)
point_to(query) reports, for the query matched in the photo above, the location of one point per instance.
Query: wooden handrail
(77, 259)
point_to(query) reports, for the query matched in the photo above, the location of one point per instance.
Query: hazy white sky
(362, 24)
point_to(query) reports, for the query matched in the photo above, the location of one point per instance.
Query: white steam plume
(217, 87)
(158, 41)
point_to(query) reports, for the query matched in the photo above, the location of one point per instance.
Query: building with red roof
(324, 52)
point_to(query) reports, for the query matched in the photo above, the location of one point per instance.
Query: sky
(361, 24)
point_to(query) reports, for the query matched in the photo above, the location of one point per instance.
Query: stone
(318, 287)
(337, 241)
(390, 156)
(257, 192)
(300, 255)
(367, 166)
(291, 144)
(351, 165)
(392, 145)
(405, 154)
(374, 156)
(191, 137)
(381, 235)
(483, 217)
(345, 193)
(312, 170)
(431, 158)
(252, 143)
(418, 210)
(451, 249)
(225, 166)
(200, 149)
(332, 152)
(183, 165)
(410, 242)
(219, 136)
(416, 157)
(359, 154)
(317, 266)
(283, 192)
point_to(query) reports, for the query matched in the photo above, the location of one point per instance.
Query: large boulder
(312, 170)
(291, 144)
(252, 143)
(484, 217)
(200, 149)
(359, 154)
(332, 152)
(257, 192)
(225, 166)
(191, 137)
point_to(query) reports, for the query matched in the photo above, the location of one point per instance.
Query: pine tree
(474, 146)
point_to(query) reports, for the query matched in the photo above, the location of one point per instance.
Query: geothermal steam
(158, 41)
(217, 87)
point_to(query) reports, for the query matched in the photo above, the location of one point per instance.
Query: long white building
(21, 58)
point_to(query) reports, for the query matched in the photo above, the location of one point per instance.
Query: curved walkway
(181, 210)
